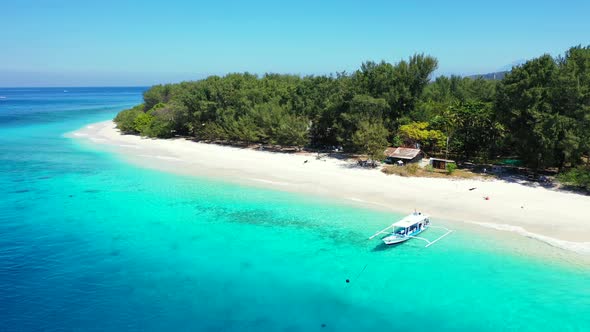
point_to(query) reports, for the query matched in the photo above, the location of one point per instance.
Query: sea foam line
(368, 202)
(129, 146)
(271, 182)
(160, 157)
(579, 247)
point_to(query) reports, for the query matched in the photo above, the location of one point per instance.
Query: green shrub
(163, 123)
(412, 168)
(577, 177)
(159, 127)
(156, 107)
(210, 131)
(397, 141)
(429, 168)
(142, 123)
(156, 94)
(451, 167)
(395, 170)
(125, 120)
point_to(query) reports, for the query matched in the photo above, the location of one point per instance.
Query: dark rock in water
(91, 191)
(347, 281)
(70, 195)
(128, 290)
(20, 191)
(323, 325)
(245, 265)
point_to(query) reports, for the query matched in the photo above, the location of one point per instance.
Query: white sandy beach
(559, 218)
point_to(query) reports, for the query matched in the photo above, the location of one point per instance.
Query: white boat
(408, 228)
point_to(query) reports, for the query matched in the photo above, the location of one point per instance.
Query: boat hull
(395, 239)
(389, 240)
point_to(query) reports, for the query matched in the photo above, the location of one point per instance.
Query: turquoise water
(88, 242)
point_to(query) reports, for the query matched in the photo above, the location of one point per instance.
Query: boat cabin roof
(411, 220)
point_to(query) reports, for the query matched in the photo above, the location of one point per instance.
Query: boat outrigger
(408, 228)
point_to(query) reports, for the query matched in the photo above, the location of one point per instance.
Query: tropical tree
(418, 133)
(524, 105)
(360, 108)
(572, 98)
(371, 139)
(471, 129)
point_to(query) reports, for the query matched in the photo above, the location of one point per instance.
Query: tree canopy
(539, 112)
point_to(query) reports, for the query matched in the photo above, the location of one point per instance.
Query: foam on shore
(580, 247)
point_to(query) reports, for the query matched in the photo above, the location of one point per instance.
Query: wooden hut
(440, 163)
(405, 155)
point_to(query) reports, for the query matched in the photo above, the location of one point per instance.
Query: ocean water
(90, 243)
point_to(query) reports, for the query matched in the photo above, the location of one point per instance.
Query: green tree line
(539, 112)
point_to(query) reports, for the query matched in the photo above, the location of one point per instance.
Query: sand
(561, 219)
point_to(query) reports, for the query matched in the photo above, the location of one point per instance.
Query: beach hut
(440, 163)
(405, 155)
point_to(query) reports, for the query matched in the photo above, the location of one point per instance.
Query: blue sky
(69, 43)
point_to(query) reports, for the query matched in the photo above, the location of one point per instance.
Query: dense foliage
(576, 177)
(539, 112)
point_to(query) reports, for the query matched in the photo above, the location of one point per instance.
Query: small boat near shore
(409, 228)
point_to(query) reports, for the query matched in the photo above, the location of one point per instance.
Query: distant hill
(491, 76)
